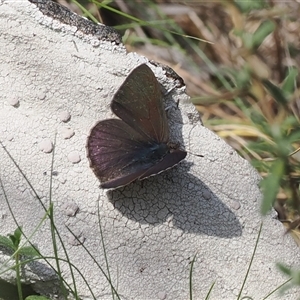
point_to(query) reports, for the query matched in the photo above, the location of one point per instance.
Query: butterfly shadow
(177, 199)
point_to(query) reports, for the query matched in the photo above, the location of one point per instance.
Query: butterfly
(136, 145)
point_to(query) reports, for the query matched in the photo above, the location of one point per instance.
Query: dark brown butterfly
(137, 145)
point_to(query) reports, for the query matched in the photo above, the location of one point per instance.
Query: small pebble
(74, 157)
(70, 209)
(65, 116)
(41, 95)
(3, 214)
(162, 295)
(62, 180)
(95, 42)
(10, 137)
(206, 194)
(46, 145)
(76, 240)
(235, 205)
(14, 101)
(79, 108)
(67, 133)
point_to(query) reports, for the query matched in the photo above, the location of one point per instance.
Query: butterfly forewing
(139, 103)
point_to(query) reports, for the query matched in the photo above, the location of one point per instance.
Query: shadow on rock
(178, 199)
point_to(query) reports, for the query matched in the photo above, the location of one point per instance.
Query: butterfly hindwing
(115, 151)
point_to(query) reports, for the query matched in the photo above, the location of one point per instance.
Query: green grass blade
(250, 264)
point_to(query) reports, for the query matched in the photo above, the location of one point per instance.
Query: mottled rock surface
(51, 73)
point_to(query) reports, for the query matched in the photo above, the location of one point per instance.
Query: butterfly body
(137, 145)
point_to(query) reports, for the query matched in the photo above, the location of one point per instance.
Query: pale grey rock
(207, 205)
